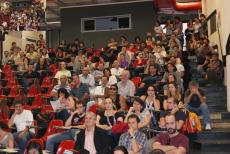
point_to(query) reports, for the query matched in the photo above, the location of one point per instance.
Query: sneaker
(208, 126)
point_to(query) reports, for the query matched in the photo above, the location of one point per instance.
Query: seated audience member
(171, 69)
(6, 57)
(202, 68)
(126, 53)
(179, 67)
(67, 104)
(6, 138)
(98, 72)
(22, 119)
(172, 141)
(120, 150)
(151, 102)
(112, 78)
(100, 92)
(173, 108)
(119, 101)
(116, 69)
(34, 148)
(126, 87)
(203, 50)
(63, 84)
(160, 54)
(172, 91)
(171, 79)
(112, 44)
(76, 118)
(195, 101)
(123, 63)
(79, 90)
(139, 109)
(62, 71)
(150, 76)
(87, 78)
(108, 118)
(87, 139)
(215, 70)
(29, 76)
(32, 55)
(133, 140)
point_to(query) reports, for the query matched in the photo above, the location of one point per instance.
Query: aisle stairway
(217, 140)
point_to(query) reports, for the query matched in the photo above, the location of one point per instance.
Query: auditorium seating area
(161, 60)
(30, 18)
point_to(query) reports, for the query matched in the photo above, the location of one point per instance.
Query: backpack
(192, 123)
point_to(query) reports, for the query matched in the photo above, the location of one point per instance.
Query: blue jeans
(202, 110)
(21, 142)
(55, 139)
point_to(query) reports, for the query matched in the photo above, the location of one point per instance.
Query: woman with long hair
(151, 102)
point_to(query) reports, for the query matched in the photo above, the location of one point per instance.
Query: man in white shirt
(23, 120)
(62, 71)
(63, 84)
(100, 92)
(116, 70)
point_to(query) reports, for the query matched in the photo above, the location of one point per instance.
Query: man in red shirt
(171, 142)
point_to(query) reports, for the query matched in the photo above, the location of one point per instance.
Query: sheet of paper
(56, 105)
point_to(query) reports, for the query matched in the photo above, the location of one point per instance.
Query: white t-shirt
(179, 67)
(24, 119)
(116, 72)
(58, 75)
(160, 57)
(99, 90)
(158, 30)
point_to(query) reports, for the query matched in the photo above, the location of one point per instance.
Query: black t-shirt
(195, 100)
(77, 119)
(33, 74)
(180, 115)
(111, 120)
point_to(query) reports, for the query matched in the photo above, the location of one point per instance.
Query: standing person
(22, 119)
(133, 140)
(171, 142)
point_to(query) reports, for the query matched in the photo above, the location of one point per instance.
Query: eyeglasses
(113, 88)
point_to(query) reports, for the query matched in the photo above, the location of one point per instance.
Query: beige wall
(12, 37)
(20, 38)
(223, 20)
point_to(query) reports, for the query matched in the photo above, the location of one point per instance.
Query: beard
(171, 130)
